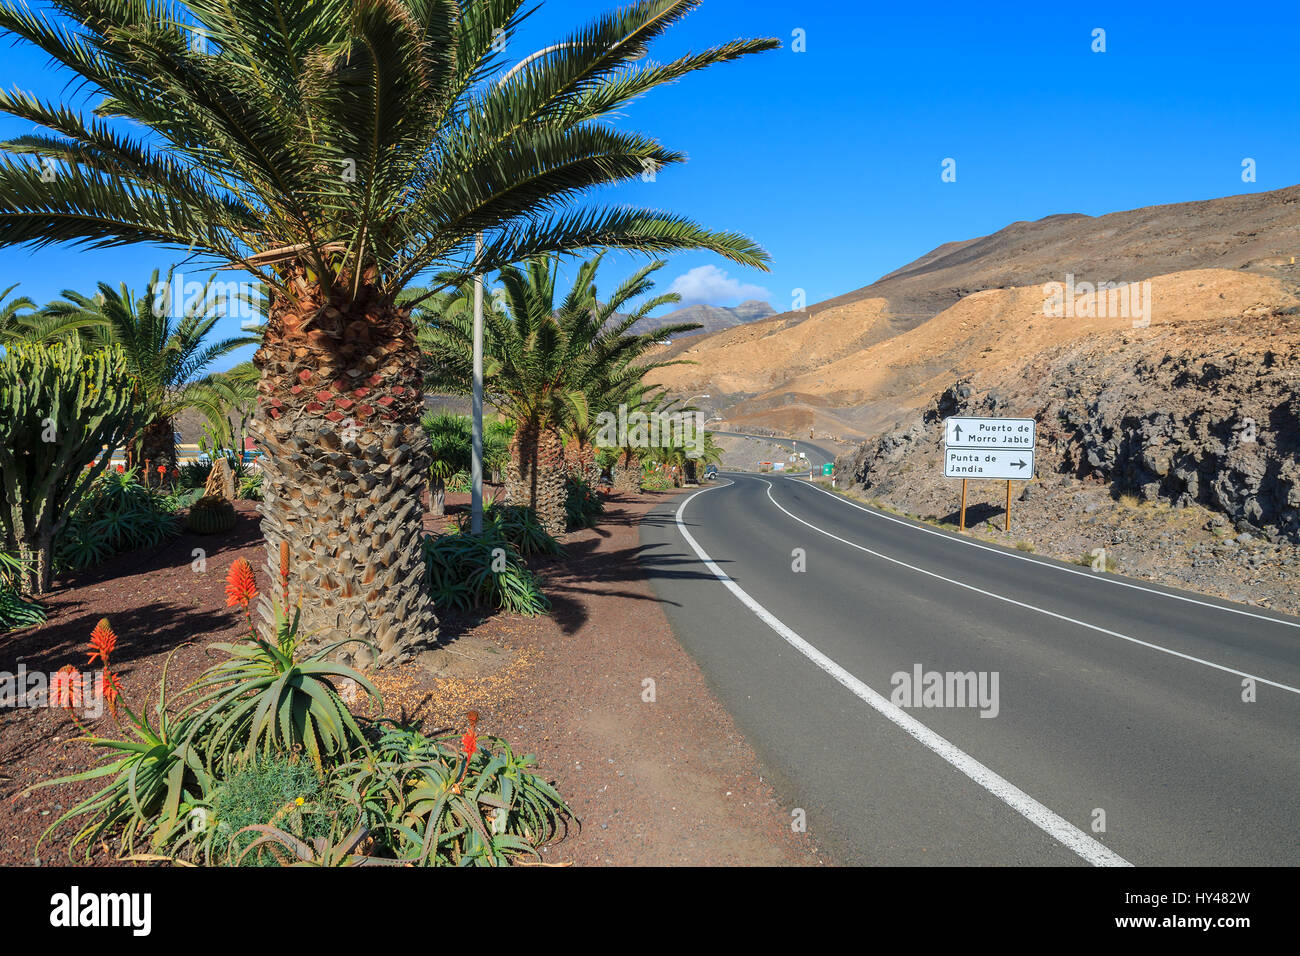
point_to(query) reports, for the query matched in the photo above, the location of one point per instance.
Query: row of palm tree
(340, 151)
(549, 364)
(168, 356)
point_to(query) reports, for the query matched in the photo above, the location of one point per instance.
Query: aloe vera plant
(268, 696)
(448, 801)
(157, 779)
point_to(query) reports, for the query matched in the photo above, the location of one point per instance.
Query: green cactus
(61, 411)
(211, 515)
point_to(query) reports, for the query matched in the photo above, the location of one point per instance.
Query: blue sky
(831, 158)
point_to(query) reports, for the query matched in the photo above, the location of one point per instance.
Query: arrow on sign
(1020, 464)
(957, 430)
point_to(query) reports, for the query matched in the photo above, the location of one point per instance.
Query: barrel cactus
(62, 410)
(211, 515)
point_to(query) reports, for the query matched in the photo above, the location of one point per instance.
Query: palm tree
(22, 323)
(339, 150)
(545, 364)
(166, 354)
(449, 453)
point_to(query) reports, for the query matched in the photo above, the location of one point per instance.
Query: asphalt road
(816, 454)
(1117, 735)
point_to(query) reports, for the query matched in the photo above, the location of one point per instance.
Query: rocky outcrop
(1203, 413)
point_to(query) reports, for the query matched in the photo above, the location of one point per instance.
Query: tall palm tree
(167, 355)
(546, 362)
(339, 150)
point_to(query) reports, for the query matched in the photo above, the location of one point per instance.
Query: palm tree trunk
(535, 476)
(627, 474)
(158, 442)
(338, 415)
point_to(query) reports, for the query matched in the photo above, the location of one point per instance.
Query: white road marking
(1091, 575)
(1054, 825)
(1032, 607)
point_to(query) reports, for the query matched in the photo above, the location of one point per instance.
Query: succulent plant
(210, 515)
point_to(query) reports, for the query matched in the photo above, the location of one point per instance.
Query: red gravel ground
(668, 782)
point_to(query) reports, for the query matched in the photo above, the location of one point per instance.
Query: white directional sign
(989, 433)
(987, 463)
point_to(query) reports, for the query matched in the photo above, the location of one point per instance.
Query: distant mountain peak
(714, 318)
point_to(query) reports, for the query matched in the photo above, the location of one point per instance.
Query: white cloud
(709, 285)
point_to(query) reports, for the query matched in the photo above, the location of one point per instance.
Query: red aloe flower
(241, 587)
(470, 741)
(162, 469)
(108, 684)
(121, 470)
(65, 687)
(104, 642)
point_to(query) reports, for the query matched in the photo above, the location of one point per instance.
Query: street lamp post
(476, 429)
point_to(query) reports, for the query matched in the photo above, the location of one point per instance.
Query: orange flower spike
(284, 574)
(110, 686)
(65, 687)
(104, 642)
(470, 741)
(241, 587)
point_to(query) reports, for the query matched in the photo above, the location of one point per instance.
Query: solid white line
(1055, 826)
(1031, 607)
(1091, 575)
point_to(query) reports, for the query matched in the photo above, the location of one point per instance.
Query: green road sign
(827, 468)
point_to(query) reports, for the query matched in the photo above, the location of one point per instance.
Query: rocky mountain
(714, 318)
(1170, 453)
(852, 365)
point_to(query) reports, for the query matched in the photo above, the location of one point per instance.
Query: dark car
(711, 473)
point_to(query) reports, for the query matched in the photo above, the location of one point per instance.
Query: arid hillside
(852, 365)
(1175, 449)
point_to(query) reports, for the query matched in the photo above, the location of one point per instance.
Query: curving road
(816, 454)
(1117, 735)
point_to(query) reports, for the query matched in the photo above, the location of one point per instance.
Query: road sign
(987, 463)
(828, 467)
(1012, 433)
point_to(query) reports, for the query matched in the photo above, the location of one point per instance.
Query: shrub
(60, 410)
(582, 503)
(465, 571)
(656, 482)
(452, 801)
(178, 499)
(250, 486)
(273, 791)
(194, 473)
(116, 513)
(15, 610)
(518, 524)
